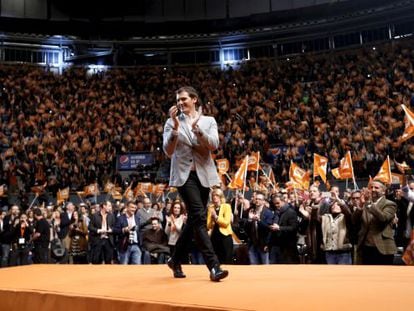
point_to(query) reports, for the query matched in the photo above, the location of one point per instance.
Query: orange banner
(384, 174)
(320, 164)
(238, 180)
(409, 124)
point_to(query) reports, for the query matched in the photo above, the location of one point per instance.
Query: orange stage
(152, 287)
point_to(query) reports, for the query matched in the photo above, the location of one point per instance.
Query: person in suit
(283, 232)
(100, 234)
(376, 215)
(188, 139)
(64, 226)
(9, 222)
(127, 228)
(219, 219)
(41, 238)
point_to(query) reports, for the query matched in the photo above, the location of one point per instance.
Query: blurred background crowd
(66, 130)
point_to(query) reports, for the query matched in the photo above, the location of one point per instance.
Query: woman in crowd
(22, 242)
(78, 238)
(335, 234)
(174, 223)
(219, 218)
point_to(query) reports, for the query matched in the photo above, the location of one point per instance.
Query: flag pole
(353, 175)
(268, 178)
(245, 175)
(257, 168)
(34, 200)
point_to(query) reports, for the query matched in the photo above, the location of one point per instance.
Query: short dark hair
(37, 212)
(191, 92)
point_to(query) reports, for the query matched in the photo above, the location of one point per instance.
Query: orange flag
(223, 166)
(254, 161)
(129, 194)
(320, 164)
(239, 178)
(116, 193)
(108, 187)
(159, 188)
(402, 167)
(38, 189)
(299, 177)
(62, 195)
(335, 172)
(346, 169)
(384, 174)
(91, 189)
(409, 124)
(397, 178)
(143, 188)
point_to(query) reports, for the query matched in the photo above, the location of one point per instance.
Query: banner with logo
(130, 161)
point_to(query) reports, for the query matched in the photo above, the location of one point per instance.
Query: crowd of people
(66, 130)
(368, 226)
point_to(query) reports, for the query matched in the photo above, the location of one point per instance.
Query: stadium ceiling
(123, 19)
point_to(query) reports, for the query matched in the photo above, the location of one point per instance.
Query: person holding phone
(188, 139)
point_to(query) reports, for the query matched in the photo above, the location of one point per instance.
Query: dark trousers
(40, 254)
(223, 246)
(195, 197)
(19, 257)
(371, 256)
(102, 251)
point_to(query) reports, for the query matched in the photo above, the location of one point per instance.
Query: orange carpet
(151, 287)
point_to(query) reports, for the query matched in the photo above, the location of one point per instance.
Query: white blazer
(188, 151)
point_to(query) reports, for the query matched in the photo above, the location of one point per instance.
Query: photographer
(22, 242)
(127, 229)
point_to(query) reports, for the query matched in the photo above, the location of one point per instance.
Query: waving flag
(345, 168)
(299, 178)
(62, 195)
(320, 164)
(223, 166)
(239, 178)
(384, 174)
(254, 161)
(108, 187)
(402, 167)
(91, 189)
(409, 124)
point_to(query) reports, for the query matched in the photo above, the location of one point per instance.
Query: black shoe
(216, 273)
(176, 269)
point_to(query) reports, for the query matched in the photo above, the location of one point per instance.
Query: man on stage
(189, 138)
